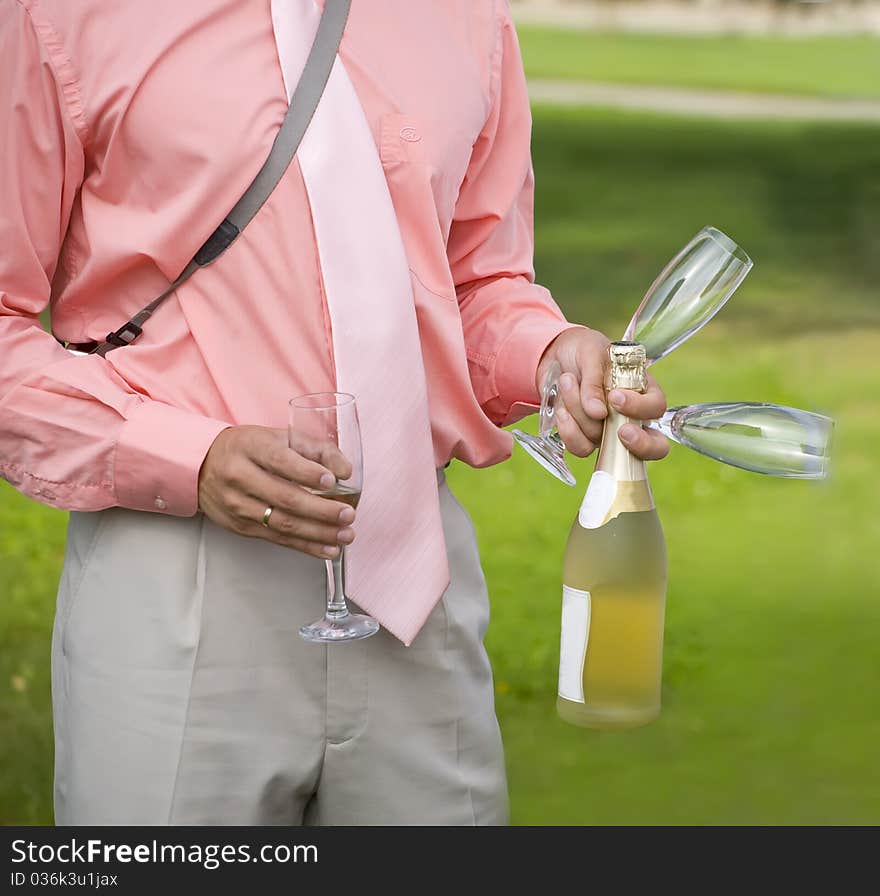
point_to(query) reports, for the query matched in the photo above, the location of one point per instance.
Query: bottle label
(607, 498)
(573, 645)
(598, 500)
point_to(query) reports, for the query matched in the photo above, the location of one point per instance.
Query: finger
(284, 527)
(592, 386)
(573, 437)
(322, 451)
(578, 435)
(647, 444)
(592, 362)
(270, 451)
(640, 406)
(272, 491)
(321, 552)
(247, 528)
(570, 407)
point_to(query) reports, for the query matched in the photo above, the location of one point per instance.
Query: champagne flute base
(551, 457)
(350, 627)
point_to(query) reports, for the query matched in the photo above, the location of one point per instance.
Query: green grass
(821, 66)
(770, 706)
(619, 193)
(31, 551)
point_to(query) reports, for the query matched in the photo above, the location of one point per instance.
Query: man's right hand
(250, 468)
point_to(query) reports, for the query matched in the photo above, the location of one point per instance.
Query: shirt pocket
(425, 164)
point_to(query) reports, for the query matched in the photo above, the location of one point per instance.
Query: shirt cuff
(516, 364)
(158, 458)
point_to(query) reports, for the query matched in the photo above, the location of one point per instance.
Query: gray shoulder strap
(303, 103)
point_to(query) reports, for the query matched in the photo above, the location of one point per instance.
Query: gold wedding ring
(266, 516)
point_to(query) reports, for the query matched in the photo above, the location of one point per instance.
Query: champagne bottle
(614, 581)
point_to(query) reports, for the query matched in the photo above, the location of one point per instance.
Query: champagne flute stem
(664, 425)
(336, 606)
(556, 440)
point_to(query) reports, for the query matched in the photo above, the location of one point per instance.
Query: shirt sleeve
(508, 319)
(73, 433)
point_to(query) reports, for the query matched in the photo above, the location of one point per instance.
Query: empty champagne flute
(692, 288)
(764, 438)
(688, 293)
(322, 424)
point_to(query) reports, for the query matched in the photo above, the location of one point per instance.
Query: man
(181, 692)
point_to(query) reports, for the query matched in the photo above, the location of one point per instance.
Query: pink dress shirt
(130, 133)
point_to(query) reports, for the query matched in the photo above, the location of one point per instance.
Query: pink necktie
(397, 567)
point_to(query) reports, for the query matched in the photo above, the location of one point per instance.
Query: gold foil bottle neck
(628, 369)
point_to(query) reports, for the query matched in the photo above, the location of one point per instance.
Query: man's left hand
(583, 355)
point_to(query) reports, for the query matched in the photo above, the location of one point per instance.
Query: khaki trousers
(183, 694)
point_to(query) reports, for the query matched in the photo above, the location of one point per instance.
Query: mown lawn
(820, 66)
(771, 710)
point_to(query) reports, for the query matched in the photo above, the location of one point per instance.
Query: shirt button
(160, 504)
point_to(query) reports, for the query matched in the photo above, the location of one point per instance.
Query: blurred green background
(813, 66)
(771, 710)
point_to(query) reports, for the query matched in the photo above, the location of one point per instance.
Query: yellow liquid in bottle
(622, 566)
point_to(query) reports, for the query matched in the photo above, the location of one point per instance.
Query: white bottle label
(598, 500)
(573, 645)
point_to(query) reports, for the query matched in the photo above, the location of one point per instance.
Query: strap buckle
(125, 335)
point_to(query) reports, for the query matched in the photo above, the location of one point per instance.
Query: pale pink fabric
(397, 568)
(127, 135)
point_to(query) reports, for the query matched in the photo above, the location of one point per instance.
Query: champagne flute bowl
(693, 287)
(763, 438)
